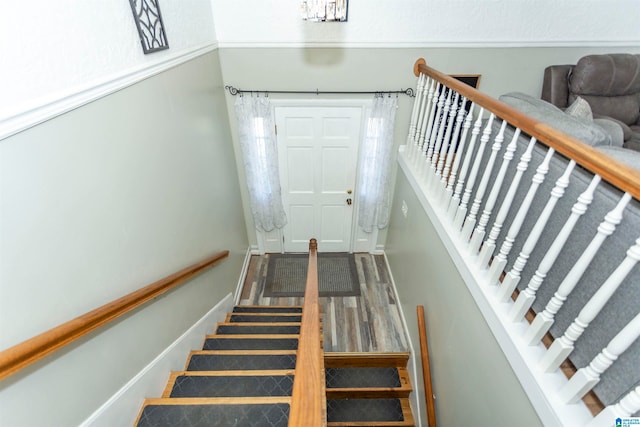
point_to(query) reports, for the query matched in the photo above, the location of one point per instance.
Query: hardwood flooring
(368, 323)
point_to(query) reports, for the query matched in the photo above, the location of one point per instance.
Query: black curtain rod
(235, 91)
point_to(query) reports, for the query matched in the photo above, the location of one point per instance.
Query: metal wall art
(324, 10)
(150, 27)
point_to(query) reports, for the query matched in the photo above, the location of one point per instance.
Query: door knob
(349, 201)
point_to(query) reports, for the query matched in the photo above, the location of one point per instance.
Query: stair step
(257, 328)
(230, 384)
(251, 342)
(345, 360)
(367, 382)
(215, 412)
(264, 318)
(245, 360)
(266, 309)
(371, 412)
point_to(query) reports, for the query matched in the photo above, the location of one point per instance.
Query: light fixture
(324, 10)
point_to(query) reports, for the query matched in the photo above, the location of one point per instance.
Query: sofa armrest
(555, 86)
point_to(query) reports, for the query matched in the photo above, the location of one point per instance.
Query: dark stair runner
(244, 374)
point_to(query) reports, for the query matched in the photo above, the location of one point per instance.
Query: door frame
(360, 240)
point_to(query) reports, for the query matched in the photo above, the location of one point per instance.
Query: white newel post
(543, 320)
(524, 301)
(563, 346)
(586, 378)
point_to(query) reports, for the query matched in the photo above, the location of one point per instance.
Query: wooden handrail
(426, 367)
(30, 351)
(617, 173)
(308, 400)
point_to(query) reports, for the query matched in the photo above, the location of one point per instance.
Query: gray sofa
(609, 83)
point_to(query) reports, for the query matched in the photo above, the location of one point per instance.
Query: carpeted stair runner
(229, 384)
(244, 374)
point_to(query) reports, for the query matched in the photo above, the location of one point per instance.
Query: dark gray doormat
(287, 275)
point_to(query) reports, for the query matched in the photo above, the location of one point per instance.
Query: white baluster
(446, 143)
(412, 139)
(425, 106)
(500, 261)
(489, 245)
(563, 346)
(431, 135)
(453, 144)
(450, 166)
(470, 220)
(479, 232)
(630, 404)
(586, 378)
(444, 126)
(543, 320)
(462, 209)
(467, 153)
(524, 301)
(578, 209)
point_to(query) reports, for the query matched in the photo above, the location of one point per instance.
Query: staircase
(244, 376)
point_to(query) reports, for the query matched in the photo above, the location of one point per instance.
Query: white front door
(318, 155)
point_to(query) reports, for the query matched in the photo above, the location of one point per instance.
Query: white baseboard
(123, 407)
(416, 397)
(243, 275)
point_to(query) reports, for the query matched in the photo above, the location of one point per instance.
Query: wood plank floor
(368, 323)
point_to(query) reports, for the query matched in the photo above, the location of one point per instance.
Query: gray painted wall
(472, 380)
(99, 202)
(364, 69)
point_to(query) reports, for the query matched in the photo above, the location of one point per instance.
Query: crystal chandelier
(324, 10)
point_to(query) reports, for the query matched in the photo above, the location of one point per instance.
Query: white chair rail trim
(77, 97)
(540, 387)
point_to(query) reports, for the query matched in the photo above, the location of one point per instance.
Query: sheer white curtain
(260, 158)
(374, 175)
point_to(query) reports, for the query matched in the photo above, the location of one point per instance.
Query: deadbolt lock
(349, 191)
(349, 201)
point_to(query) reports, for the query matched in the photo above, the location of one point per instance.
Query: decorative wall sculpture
(150, 27)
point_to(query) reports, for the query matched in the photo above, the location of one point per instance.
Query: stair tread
(362, 377)
(267, 308)
(257, 328)
(241, 360)
(215, 412)
(264, 318)
(230, 385)
(368, 410)
(346, 359)
(250, 342)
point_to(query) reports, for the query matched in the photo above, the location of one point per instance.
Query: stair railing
(30, 351)
(467, 184)
(308, 401)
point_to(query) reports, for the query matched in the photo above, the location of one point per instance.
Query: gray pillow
(580, 109)
(543, 111)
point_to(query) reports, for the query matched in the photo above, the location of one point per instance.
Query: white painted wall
(352, 69)
(415, 23)
(52, 50)
(472, 380)
(99, 202)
